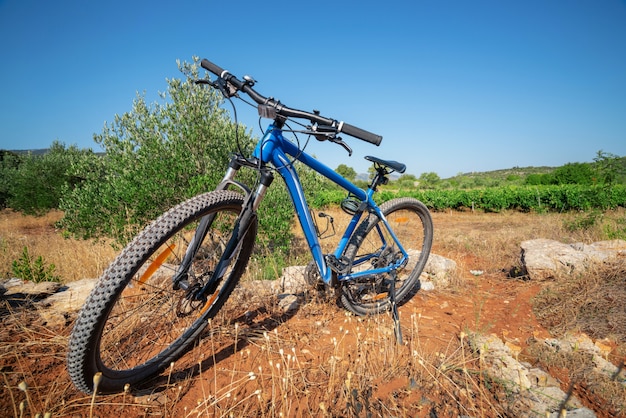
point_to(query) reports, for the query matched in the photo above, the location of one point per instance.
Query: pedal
(337, 265)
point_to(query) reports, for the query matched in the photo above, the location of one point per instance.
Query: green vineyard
(552, 198)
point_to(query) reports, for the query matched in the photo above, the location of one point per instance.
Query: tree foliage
(609, 167)
(33, 184)
(156, 155)
(429, 180)
(570, 173)
(9, 163)
(406, 181)
(159, 154)
(574, 173)
(346, 172)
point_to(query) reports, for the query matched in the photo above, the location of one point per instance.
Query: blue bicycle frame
(273, 148)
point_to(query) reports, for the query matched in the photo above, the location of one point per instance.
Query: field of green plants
(540, 198)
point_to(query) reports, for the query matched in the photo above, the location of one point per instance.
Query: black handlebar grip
(360, 133)
(215, 69)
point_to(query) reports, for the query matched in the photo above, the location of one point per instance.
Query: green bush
(33, 184)
(161, 154)
(9, 163)
(34, 269)
(155, 157)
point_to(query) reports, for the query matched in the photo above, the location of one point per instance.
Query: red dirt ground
(432, 324)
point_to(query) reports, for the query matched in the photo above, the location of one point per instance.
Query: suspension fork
(242, 225)
(180, 278)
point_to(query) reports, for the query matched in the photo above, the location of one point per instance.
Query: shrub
(33, 184)
(9, 162)
(34, 269)
(155, 157)
(161, 154)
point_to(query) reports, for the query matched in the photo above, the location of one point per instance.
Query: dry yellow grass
(73, 259)
(493, 237)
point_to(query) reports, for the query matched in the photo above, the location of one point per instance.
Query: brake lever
(328, 133)
(226, 88)
(337, 140)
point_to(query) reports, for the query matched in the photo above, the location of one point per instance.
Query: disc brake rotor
(188, 303)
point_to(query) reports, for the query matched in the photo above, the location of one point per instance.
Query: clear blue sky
(452, 85)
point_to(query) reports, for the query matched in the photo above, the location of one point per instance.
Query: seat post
(380, 177)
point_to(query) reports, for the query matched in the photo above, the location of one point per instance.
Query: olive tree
(155, 156)
(346, 172)
(33, 184)
(609, 167)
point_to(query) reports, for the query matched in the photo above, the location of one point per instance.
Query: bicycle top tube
(273, 139)
(273, 109)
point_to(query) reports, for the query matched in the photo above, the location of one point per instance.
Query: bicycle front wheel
(372, 247)
(136, 321)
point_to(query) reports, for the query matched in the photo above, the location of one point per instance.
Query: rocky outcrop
(597, 351)
(543, 258)
(55, 303)
(533, 392)
(437, 273)
(19, 289)
(59, 307)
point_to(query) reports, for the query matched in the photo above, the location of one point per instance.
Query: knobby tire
(134, 323)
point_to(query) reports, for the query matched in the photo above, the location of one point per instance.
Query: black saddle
(393, 165)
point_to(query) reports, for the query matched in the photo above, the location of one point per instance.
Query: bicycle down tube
(274, 148)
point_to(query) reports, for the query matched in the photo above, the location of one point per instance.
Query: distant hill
(506, 173)
(41, 151)
(510, 175)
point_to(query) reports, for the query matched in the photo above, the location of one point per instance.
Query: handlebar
(280, 109)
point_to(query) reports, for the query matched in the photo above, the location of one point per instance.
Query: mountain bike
(157, 297)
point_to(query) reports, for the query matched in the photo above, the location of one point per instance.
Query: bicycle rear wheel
(135, 323)
(371, 246)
